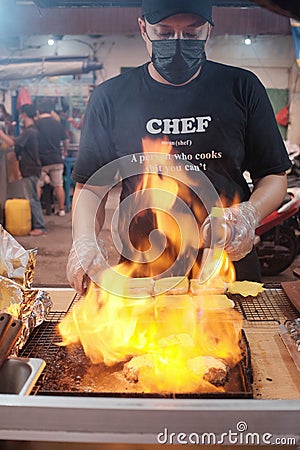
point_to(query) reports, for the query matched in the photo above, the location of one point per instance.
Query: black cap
(156, 10)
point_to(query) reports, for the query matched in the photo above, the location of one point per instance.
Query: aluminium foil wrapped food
(16, 263)
(17, 297)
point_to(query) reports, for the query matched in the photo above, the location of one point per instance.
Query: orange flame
(177, 336)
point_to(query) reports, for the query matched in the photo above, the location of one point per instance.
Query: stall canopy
(22, 68)
(123, 3)
(289, 8)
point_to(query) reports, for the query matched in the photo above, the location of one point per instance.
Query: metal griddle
(69, 372)
(84, 379)
(79, 418)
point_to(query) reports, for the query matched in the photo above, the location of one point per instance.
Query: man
(216, 116)
(51, 134)
(26, 149)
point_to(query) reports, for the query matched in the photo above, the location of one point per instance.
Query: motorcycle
(277, 238)
(293, 151)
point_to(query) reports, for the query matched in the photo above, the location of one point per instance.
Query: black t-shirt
(50, 135)
(220, 125)
(26, 148)
(222, 122)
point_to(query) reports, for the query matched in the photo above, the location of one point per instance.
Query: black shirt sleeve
(21, 140)
(264, 147)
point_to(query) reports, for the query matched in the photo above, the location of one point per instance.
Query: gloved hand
(84, 261)
(237, 225)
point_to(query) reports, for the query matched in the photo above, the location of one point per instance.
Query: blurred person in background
(53, 147)
(6, 123)
(77, 122)
(26, 149)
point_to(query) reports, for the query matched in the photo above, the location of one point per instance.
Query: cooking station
(271, 409)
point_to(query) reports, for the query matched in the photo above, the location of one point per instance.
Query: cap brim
(156, 17)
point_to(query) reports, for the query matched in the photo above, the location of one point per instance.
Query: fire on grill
(171, 334)
(168, 343)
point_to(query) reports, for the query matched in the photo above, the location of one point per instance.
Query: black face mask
(177, 60)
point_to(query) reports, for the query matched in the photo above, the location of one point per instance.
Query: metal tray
(69, 372)
(19, 375)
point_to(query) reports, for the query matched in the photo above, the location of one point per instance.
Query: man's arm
(7, 139)
(244, 217)
(268, 193)
(66, 143)
(85, 201)
(77, 125)
(88, 215)
(55, 116)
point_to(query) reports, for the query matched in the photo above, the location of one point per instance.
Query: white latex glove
(234, 230)
(84, 261)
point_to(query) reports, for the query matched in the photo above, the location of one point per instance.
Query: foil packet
(16, 263)
(17, 297)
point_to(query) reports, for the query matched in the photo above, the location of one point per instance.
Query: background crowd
(39, 150)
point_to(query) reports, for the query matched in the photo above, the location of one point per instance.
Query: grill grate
(42, 343)
(44, 339)
(52, 381)
(271, 305)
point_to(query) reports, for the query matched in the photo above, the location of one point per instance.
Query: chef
(217, 118)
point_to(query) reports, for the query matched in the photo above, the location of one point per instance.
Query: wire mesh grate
(270, 305)
(53, 380)
(43, 340)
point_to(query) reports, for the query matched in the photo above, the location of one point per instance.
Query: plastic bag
(17, 297)
(16, 263)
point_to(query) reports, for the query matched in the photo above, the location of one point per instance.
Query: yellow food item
(183, 340)
(215, 301)
(218, 286)
(140, 287)
(138, 364)
(171, 286)
(245, 288)
(210, 369)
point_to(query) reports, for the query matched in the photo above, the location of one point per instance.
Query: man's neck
(28, 122)
(43, 115)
